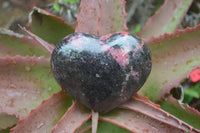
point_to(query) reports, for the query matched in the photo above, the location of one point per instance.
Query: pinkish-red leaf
(166, 19)
(72, 120)
(144, 106)
(24, 83)
(137, 122)
(12, 44)
(181, 111)
(45, 116)
(174, 56)
(102, 17)
(43, 43)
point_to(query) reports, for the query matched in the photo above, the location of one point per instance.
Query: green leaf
(188, 96)
(174, 56)
(12, 44)
(49, 27)
(191, 93)
(56, 7)
(103, 17)
(40, 41)
(71, 1)
(5, 131)
(104, 127)
(158, 5)
(182, 111)
(187, 99)
(137, 28)
(166, 19)
(196, 88)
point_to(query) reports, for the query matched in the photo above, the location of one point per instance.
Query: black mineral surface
(101, 72)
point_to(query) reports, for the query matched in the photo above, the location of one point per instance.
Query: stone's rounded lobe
(101, 72)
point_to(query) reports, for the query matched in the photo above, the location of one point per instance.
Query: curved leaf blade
(104, 16)
(43, 43)
(25, 82)
(12, 44)
(144, 106)
(43, 118)
(136, 122)
(174, 56)
(166, 19)
(181, 111)
(72, 120)
(48, 26)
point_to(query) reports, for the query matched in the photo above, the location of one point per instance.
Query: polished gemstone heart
(101, 72)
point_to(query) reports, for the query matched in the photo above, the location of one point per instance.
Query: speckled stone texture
(101, 72)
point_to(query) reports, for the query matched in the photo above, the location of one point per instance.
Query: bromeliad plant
(26, 77)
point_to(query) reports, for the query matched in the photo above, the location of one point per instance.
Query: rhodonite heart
(101, 72)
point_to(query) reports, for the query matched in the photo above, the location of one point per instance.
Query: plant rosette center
(101, 72)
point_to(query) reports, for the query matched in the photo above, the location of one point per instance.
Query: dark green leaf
(182, 111)
(71, 1)
(191, 93)
(49, 27)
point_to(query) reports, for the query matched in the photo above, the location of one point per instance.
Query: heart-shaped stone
(101, 72)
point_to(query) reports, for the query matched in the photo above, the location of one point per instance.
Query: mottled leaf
(49, 27)
(145, 107)
(12, 44)
(24, 83)
(137, 122)
(43, 118)
(102, 17)
(182, 111)
(166, 19)
(73, 119)
(174, 56)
